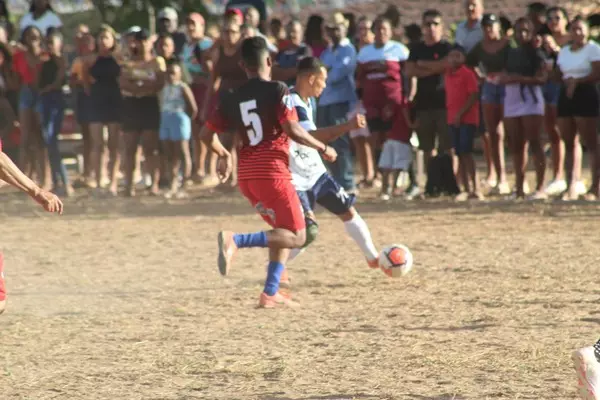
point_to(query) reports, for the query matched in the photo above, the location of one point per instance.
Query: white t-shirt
(306, 165)
(578, 63)
(47, 20)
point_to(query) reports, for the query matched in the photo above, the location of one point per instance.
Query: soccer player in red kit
(262, 114)
(10, 174)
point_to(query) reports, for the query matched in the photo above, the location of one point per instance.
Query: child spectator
(178, 108)
(462, 93)
(396, 154)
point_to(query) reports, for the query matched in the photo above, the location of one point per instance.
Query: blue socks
(257, 239)
(273, 276)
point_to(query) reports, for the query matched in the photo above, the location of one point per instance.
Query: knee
(300, 239)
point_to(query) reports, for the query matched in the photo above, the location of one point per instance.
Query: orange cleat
(277, 300)
(374, 263)
(227, 249)
(2, 285)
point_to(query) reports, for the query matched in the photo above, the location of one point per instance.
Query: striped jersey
(255, 112)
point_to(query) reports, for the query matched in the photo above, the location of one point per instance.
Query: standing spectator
(226, 74)
(469, 32)
(26, 64)
(252, 18)
(380, 81)
(41, 15)
(141, 81)
(427, 62)
(578, 105)
(277, 34)
(235, 15)
(339, 97)
(195, 58)
(489, 58)
(85, 47)
(526, 72)
(364, 35)
(51, 106)
(101, 81)
(462, 96)
(168, 22)
(551, 45)
(178, 108)
(536, 12)
(314, 36)
(5, 22)
(296, 49)
(258, 5)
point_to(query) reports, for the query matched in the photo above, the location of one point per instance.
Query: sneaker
(537, 196)
(227, 249)
(385, 197)
(2, 285)
(588, 373)
(277, 300)
(556, 187)
(374, 263)
(412, 192)
(580, 188)
(464, 196)
(501, 189)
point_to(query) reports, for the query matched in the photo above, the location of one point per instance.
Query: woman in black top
(51, 106)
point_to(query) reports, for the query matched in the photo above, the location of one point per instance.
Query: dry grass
(122, 300)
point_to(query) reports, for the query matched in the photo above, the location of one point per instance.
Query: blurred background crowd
(114, 101)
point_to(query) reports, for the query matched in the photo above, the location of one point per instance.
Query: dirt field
(121, 299)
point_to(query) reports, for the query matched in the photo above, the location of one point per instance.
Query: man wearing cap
(167, 24)
(339, 96)
(258, 5)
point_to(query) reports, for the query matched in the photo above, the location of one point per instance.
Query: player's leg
(278, 204)
(271, 297)
(337, 201)
(587, 366)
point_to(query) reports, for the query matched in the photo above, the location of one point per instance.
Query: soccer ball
(396, 260)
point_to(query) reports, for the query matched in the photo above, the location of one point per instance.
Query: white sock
(295, 253)
(359, 231)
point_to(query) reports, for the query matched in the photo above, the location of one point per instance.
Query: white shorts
(395, 155)
(363, 132)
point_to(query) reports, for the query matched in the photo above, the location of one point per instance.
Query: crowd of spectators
(140, 99)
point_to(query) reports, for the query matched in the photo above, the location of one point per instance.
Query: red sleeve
(285, 109)
(216, 121)
(471, 82)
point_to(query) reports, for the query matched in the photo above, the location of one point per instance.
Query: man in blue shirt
(339, 97)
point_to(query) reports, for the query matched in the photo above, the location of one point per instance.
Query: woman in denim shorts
(489, 56)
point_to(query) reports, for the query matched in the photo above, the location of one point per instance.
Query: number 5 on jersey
(252, 122)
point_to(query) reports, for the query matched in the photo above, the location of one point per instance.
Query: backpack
(440, 177)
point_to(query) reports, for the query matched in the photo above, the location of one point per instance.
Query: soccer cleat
(227, 249)
(587, 368)
(2, 285)
(277, 300)
(374, 263)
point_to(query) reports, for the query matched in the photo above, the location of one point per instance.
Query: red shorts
(276, 201)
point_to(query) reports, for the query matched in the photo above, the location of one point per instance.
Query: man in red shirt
(262, 114)
(462, 107)
(10, 174)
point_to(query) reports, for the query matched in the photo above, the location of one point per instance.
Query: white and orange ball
(396, 260)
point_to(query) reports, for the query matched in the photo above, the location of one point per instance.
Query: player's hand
(224, 167)
(357, 122)
(329, 154)
(49, 201)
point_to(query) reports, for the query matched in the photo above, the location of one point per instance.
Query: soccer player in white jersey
(309, 176)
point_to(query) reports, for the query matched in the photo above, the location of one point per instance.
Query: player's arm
(331, 133)
(12, 175)
(299, 135)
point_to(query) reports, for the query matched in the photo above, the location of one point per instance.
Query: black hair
(32, 7)
(561, 10)
(27, 30)
(380, 20)
(505, 23)
(431, 13)
(309, 65)
(254, 51)
(393, 15)
(352, 25)
(53, 31)
(537, 7)
(314, 30)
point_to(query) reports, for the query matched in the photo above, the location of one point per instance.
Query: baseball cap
(489, 19)
(141, 35)
(234, 11)
(168, 13)
(337, 19)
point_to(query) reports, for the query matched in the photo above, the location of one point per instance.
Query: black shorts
(584, 102)
(462, 138)
(141, 114)
(379, 125)
(327, 193)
